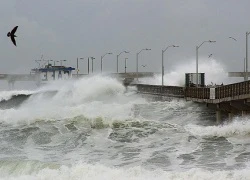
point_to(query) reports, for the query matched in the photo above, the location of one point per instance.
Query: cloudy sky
(67, 29)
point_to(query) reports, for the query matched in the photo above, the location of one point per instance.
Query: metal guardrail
(225, 91)
(201, 94)
(172, 91)
(231, 90)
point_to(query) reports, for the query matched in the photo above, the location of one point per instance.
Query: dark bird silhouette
(210, 55)
(12, 35)
(144, 65)
(233, 38)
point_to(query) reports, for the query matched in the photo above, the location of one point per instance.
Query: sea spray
(74, 98)
(215, 73)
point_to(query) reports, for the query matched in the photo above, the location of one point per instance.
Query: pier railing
(199, 93)
(172, 91)
(230, 91)
(216, 94)
(242, 88)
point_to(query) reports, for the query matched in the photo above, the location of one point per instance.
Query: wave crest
(235, 128)
(36, 170)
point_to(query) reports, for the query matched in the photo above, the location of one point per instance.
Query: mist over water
(215, 72)
(95, 128)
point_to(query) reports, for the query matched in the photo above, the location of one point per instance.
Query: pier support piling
(243, 113)
(230, 116)
(218, 116)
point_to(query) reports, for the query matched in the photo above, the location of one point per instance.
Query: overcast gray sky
(67, 29)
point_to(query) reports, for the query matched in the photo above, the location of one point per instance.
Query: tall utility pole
(77, 69)
(117, 59)
(125, 65)
(197, 48)
(88, 65)
(102, 58)
(244, 66)
(137, 56)
(92, 58)
(246, 73)
(162, 63)
(55, 62)
(62, 61)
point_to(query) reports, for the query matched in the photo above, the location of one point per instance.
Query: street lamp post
(77, 70)
(62, 61)
(117, 59)
(102, 58)
(92, 58)
(77, 64)
(197, 48)
(162, 65)
(244, 65)
(77, 67)
(137, 55)
(246, 73)
(125, 65)
(88, 65)
(55, 63)
(49, 61)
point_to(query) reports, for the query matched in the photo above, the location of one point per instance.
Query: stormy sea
(95, 128)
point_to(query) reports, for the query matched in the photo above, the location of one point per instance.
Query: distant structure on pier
(190, 79)
(50, 73)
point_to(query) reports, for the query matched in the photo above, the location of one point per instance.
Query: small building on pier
(191, 78)
(50, 73)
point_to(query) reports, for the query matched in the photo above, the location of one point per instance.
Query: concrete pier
(232, 100)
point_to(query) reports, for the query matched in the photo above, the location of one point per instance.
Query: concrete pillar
(243, 113)
(218, 116)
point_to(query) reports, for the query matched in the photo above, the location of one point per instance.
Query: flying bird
(210, 55)
(12, 35)
(144, 65)
(233, 38)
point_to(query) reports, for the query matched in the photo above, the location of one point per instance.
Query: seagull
(144, 65)
(233, 38)
(210, 55)
(12, 35)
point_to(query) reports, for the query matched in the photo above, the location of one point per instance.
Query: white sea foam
(92, 97)
(238, 127)
(100, 172)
